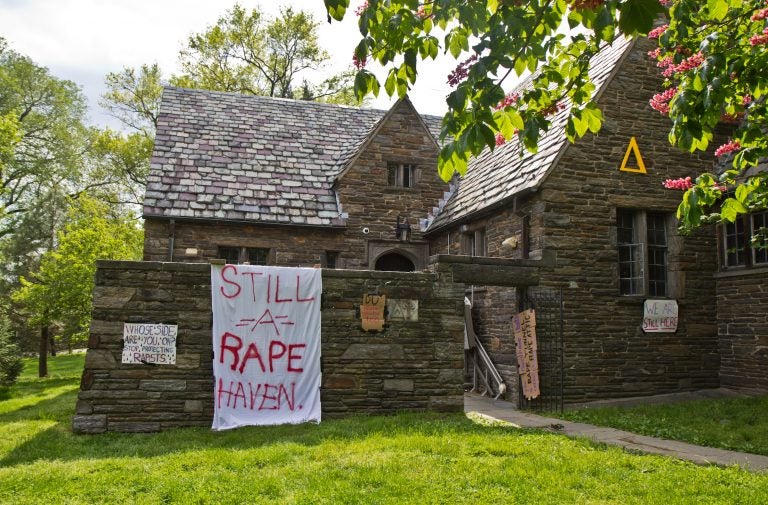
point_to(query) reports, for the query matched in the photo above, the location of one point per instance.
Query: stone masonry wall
(410, 365)
(742, 308)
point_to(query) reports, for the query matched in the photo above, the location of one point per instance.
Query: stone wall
(742, 308)
(410, 365)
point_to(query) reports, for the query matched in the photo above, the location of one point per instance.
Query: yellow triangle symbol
(632, 148)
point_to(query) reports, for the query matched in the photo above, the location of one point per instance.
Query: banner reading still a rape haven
(266, 345)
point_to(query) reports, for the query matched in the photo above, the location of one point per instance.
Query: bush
(10, 359)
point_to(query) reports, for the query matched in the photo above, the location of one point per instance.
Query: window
(643, 255)
(250, 255)
(257, 255)
(744, 243)
(474, 243)
(229, 254)
(401, 175)
(330, 259)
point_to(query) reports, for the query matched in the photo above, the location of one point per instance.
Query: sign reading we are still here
(266, 343)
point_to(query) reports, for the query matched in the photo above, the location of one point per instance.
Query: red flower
(509, 99)
(656, 32)
(660, 101)
(757, 40)
(358, 63)
(681, 183)
(461, 71)
(759, 15)
(728, 148)
(500, 140)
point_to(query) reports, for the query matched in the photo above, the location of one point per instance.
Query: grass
(739, 424)
(409, 458)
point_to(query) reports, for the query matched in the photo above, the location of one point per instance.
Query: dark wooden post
(42, 364)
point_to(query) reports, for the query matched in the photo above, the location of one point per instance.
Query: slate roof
(493, 177)
(225, 156)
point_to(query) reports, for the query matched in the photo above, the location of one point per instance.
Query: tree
(41, 119)
(246, 52)
(713, 50)
(133, 97)
(61, 289)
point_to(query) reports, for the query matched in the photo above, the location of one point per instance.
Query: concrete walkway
(505, 411)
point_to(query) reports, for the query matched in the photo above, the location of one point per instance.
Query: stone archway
(394, 262)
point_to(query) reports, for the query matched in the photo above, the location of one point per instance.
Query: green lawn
(739, 424)
(425, 458)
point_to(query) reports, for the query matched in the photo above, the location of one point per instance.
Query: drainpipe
(171, 238)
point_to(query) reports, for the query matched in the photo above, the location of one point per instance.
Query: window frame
(243, 254)
(475, 242)
(401, 175)
(735, 249)
(647, 253)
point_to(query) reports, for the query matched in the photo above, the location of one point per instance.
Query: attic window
(401, 175)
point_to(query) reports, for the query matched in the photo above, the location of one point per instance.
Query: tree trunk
(52, 345)
(42, 364)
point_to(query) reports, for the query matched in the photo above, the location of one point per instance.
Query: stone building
(294, 183)
(272, 181)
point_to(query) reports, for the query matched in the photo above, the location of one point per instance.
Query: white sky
(83, 40)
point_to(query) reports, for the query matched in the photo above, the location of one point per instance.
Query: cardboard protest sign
(149, 343)
(372, 312)
(266, 344)
(660, 316)
(524, 326)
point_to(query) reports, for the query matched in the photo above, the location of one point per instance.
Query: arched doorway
(394, 262)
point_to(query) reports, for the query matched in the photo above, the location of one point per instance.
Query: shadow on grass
(59, 443)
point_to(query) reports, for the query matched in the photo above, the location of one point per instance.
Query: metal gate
(548, 304)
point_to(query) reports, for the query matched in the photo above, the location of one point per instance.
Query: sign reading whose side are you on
(147, 343)
(266, 344)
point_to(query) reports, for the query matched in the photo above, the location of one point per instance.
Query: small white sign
(149, 343)
(660, 316)
(402, 310)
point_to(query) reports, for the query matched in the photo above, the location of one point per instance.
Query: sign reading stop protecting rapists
(266, 344)
(147, 343)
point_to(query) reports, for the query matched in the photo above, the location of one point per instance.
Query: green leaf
(731, 208)
(336, 8)
(718, 8)
(743, 191)
(456, 40)
(520, 65)
(451, 161)
(637, 16)
(389, 84)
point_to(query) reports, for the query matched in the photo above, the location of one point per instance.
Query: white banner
(266, 345)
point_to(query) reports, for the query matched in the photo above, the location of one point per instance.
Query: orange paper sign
(372, 312)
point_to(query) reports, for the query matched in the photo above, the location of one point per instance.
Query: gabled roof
(431, 125)
(494, 177)
(225, 156)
